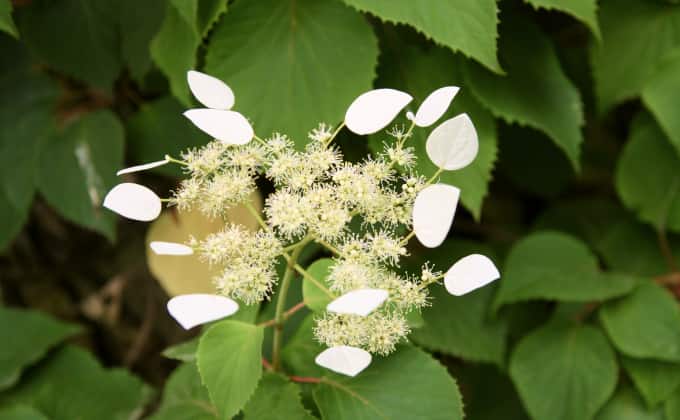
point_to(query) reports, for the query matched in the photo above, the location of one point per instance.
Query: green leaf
(479, 382)
(407, 384)
(658, 95)
(230, 364)
(421, 72)
(461, 326)
(301, 349)
(647, 176)
(468, 26)
(636, 34)
(583, 10)
(6, 22)
(672, 407)
(556, 266)
(308, 58)
(535, 92)
(185, 397)
(26, 337)
(185, 352)
(138, 22)
(655, 380)
(627, 405)
(21, 412)
(72, 385)
(78, 167)
(316, 298)
(644, 324)
(564, 372)
(276, 399)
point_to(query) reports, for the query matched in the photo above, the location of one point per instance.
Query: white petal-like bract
(196, 309)
(133, 201)
(358, 302)
(470, 273)
(433, 212)
(226, 126)
(374, 110)
(210, 91)
(143, 167)
(435, 105)
(453, 144)
(345, 360)
(170, 248)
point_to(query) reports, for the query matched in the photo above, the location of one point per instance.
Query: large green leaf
(655, 380)
(293, 64)
(564, 372)
(316, 298)
(535, 91)
(420, 72)
(583, 10)
(21, 412)
(6, 22)
(230, 362)
(138, 22)
(461, 326)
(72, 385)
(645, 324)
(627, 405)
(185, 351)
(636, 34)
(672, 407)
(658, 95)
(26, 338)
(468, 26)
(647, 176)
(78, 167)
(276, 398)
(301, 349)
(407, 384)
(185, 397)
(556, 266)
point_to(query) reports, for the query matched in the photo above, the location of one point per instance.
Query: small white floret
(196, 309)
(470, 273)
(133, 201)
(345, 360)
(358, 302)
(374, 110)
(210, 91)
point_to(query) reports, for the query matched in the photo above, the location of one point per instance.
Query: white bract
(453, 144)
(435, 105)
(133, 201)
(226, 126)
(345, 360)
(210, 91)
(470, 273)
(358, 302)
(143, 167)
(170, 248)
(433, 212)
(373, 110)
(196, 309)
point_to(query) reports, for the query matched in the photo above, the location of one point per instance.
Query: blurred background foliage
(576, 194)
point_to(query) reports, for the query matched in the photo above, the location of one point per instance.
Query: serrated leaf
(655, 380)
(185, 397)
(256, 37)
(535, 92)
(300, 350)
(78, 166)
(138, 22)
(71, 384)
(185, 351)
(583, 10)
(407, 384)
(468, 26)
(461, 326)
(27, 336)
(21, 412)
(627, 405)
(276, 398)
(6, 22)
(635, 36)
(564, 372)
(647, 176)
(556, 266)
(658, 95)
(313, 295)
(422, 72)
(230, 363)
(644, 324)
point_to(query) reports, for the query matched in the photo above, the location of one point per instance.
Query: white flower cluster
(363, 213)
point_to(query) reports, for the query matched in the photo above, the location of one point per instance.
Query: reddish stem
(305, 379)
(286, 315)
(266, 364)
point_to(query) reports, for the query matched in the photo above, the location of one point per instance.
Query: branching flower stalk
(357, 211)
